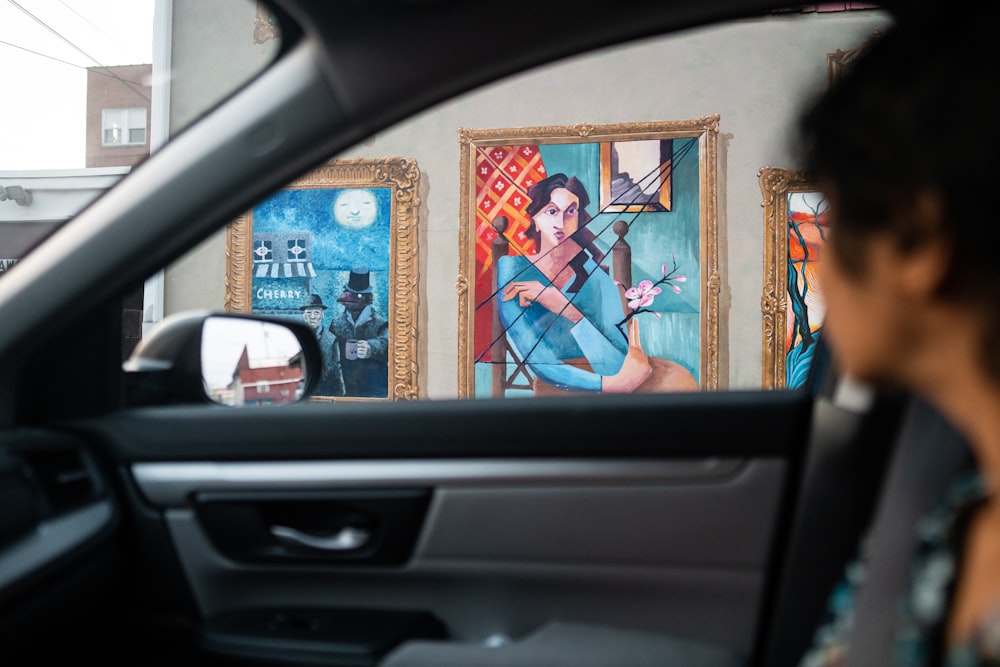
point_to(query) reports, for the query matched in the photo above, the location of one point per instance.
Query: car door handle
(346, 539)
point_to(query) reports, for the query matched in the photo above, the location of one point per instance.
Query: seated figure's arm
(543, 353)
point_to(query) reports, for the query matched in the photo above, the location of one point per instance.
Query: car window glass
(531, 233)
(92, 86)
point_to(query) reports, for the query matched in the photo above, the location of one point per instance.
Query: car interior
(144, 524)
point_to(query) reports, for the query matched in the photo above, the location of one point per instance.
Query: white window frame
(302, 256)
(126, 120)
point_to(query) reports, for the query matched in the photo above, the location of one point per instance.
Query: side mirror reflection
(250, 362)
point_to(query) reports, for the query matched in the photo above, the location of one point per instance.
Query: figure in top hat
(362, 339)
(331, 382)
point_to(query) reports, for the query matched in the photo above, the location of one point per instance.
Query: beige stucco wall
(213, 52)
(753, 73)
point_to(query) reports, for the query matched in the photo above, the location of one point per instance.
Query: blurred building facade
(119, 99)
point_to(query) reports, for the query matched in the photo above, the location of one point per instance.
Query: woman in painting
(561, 309)
(910, 279)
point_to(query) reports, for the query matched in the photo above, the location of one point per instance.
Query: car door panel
(506, 558)
(685, 425)
(661, 517)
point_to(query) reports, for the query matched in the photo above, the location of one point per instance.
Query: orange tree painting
(795, 219)
(807, 218)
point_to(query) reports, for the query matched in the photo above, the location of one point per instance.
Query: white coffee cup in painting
(351, 349)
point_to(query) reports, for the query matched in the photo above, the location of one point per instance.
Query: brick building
(266, 382)
(118, 115)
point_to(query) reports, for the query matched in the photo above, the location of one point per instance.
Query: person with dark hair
(910, 283)
(362, 337)
(561, 309)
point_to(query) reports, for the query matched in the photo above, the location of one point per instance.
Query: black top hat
(358, 282)
(314, 301)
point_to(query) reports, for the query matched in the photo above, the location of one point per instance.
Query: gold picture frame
(690, 245)
(272, 276)
(786, 191)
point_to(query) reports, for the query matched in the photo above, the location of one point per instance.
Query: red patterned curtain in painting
(503, 176)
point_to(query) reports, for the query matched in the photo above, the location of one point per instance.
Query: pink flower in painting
(642, 295)
(668, 276)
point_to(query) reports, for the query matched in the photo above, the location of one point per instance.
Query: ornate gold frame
(705, 129)
(840, 61)
(400, 174)
(775, 186)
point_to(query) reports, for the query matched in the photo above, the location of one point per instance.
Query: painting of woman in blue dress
(561, 309)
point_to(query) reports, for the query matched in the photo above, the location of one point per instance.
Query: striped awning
(284, 270)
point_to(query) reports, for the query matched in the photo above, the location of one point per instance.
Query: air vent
(64, 477)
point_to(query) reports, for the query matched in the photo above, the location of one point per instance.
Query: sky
(43, 99)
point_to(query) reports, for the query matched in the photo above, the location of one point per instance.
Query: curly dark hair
(917, 115)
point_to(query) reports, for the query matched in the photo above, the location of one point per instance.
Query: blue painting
(323, 256)
(337, 249)
(307, 241)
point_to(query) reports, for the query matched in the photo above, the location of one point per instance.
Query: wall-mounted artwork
(589, 259)
(338, 249)
(795, 219)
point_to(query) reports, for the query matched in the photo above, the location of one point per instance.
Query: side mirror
(227, 358)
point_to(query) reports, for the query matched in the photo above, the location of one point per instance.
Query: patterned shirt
(923, 612)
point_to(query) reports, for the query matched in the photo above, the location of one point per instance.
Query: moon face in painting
(355, 208)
